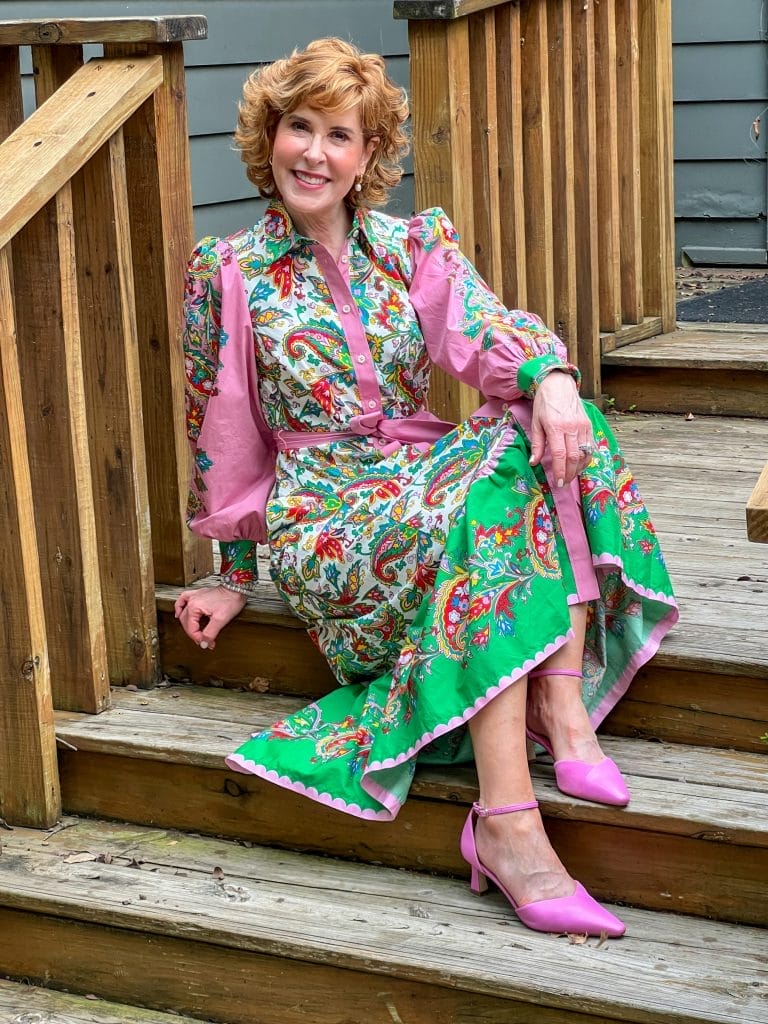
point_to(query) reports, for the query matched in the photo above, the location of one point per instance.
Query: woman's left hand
(561, 424)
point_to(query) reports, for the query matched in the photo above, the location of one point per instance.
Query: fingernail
(559, 483)
(204, 644)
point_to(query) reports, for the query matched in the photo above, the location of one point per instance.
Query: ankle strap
(555, 672)
(487, 812)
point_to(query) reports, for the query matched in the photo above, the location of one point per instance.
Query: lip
(321, 180)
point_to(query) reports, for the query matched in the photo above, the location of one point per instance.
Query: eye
(339, 135)
(297, 125)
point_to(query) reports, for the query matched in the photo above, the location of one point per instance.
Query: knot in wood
(28, 669)
(232, 788)
(49, 32)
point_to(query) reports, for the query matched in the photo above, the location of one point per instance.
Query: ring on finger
(587, 449)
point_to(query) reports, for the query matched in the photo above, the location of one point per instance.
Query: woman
(466, 583)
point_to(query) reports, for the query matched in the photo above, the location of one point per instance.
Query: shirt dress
(430, 563)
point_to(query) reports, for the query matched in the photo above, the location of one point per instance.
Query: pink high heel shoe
(602, 783)
(578, 913)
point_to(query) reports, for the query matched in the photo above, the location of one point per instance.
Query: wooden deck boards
(399, 926)
(694, 348)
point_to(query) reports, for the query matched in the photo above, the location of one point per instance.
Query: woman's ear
(370, 147)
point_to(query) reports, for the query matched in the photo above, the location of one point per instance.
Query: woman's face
(315, 160)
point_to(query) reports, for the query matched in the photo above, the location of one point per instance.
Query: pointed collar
(282, 237)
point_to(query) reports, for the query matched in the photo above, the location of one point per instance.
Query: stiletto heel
(602, 783)
(578, 913)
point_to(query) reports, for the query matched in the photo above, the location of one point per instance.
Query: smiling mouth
(310, 179)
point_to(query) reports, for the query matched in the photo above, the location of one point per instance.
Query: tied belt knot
(387, 433)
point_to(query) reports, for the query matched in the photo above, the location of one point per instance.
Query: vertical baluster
(607, 166)
(628, 101)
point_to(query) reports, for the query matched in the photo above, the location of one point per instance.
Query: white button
(371, 404)
(361, 358)
(505, 406)
(343, 259)
(345, 309)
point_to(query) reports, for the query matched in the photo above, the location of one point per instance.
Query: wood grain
(162, 237)
(102, 30)
(509, 101)
(537, 160)
(50, 360)
(113, 394)
(630, 205)
(93, 103)
(607, 160)
(559, 42)
(627, 334)
(585, 181)
(757, 510)
(29, 784)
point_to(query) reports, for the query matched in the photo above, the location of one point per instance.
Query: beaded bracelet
(239, 588)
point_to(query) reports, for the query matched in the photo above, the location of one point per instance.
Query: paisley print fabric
(431, 575)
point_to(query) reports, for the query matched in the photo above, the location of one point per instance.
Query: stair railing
(544, 128)
(95, 229)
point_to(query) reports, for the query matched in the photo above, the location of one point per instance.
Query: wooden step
(694, 837)
(696, 369)
(211, 928)
(706, 686)
(24, 1003)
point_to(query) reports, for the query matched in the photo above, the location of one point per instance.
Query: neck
(330, 232)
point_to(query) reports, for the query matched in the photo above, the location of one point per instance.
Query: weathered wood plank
(537, 160)
(286, 915)
(648, 327)
(698, 350)
(677, 390)
(628, 100)
(757, 510)
(102, 30)
(442, 118)
(211, 981)
(485, 149)
(445, 10)
(50, 360)
(21, 1002)
(160, 207)
(509, 99)
(585, 179)
(563, 183)
(93, 103)
(657, 159)
(29, 784)
(113, 394)
(607, 157)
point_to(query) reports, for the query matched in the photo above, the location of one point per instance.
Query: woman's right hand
(205, 612)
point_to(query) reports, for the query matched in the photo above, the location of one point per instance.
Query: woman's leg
(555, 706)
(514, 847)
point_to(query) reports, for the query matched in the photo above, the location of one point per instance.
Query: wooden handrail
(441, 10)
(757, 510)
(65, 31)
(93, 104)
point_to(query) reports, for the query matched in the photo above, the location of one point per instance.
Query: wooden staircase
(226, 898)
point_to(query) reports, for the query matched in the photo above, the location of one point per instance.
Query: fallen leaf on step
(104, 858)
(79, 858)
(218, 873)
(689, 416)
(4, 824)
(259, 685)
(577, 940)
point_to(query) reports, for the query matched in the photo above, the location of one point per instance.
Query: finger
(180, 604)
(573, 457)
(537, 442)
(558, 454)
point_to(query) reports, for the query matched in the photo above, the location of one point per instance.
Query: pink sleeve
(468, 332)
(233, 450)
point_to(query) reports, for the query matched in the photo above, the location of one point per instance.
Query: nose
(314, 151)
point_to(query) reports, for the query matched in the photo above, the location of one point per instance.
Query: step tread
(383, 921)
(676, 789)
(21, 1003)
(697, 349)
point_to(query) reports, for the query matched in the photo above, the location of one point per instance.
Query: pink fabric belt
(389, 433)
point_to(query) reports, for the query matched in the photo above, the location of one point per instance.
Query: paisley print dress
(432, 566)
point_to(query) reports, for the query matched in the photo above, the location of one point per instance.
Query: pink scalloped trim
(653, 595)
(457, 720)
(247, 767)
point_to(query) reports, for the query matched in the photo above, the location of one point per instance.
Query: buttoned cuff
(533, 371)
(238, 566)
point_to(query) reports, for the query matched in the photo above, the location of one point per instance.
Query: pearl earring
(358, 186)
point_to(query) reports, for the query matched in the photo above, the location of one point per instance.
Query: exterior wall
(240, 37)
(721, 90)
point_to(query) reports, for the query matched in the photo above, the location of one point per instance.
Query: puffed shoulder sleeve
(468, 332)
(232, 449)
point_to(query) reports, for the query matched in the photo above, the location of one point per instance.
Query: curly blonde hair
(333, 76)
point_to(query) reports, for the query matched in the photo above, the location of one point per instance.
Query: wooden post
(48, 327)
(656, 161)
(607, 141)
(757, 510)
(585, 177)
(563, 180)
(441, 111)
(29, 782)
(509, 92)
(162, 237)
(537, 160)
(628, 99)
